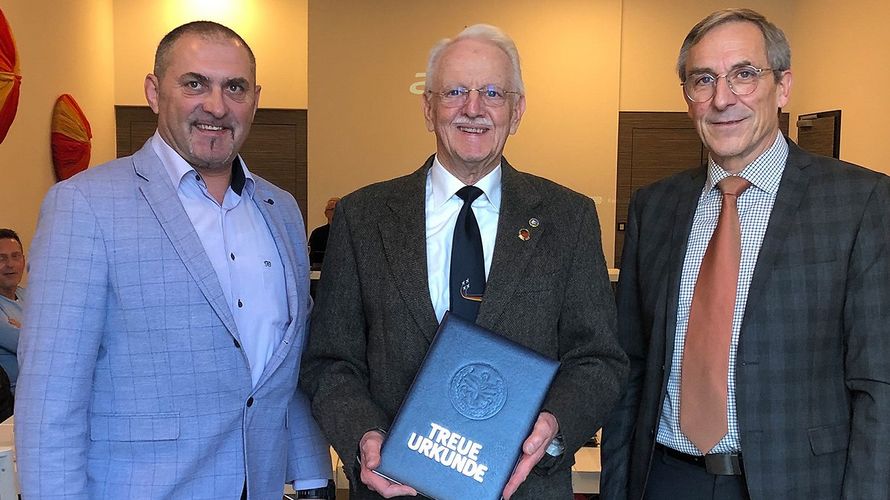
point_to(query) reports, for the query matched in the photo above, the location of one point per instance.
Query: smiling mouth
(209, 128)
(727, 122)
(472, 130)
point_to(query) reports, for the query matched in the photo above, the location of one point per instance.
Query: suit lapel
(684, 212)
(403, 231)
(791, 191)
(266, 202)
(164, 202)
(519, 203)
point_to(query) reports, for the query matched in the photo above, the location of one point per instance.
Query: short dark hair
(778, 52)
(205, 29)
(9, 234)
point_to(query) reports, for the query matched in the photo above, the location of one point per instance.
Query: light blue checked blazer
(133, 383)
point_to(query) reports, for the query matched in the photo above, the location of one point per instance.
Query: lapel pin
(534, 222)
(524, 234)
(465, 292)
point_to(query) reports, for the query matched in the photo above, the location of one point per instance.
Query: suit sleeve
(334, 371)
(309, 457)
(867, 364)
(618, 430)
(61, 335)
(592, 366)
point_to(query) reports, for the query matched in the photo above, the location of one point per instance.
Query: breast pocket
(134, 426)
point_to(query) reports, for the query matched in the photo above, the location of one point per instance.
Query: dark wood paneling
(820, 133)
(275, 149)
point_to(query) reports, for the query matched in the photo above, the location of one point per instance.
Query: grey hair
(484, 32)
(778, 52)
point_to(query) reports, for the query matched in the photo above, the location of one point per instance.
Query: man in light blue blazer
(168, 308)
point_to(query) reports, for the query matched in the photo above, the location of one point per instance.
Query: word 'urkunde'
(451, 450)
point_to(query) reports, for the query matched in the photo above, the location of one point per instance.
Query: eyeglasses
(700, 87)
(491, 95)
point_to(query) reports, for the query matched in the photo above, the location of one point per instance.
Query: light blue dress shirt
(242, 251)
(9, 334)
(755, 206)
(442, 206)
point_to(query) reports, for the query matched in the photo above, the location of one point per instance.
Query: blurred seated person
(318, 240)
(12, 298)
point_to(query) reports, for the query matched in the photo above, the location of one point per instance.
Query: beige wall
(650, 40)
(353, 62)
(65, 48)
(840, 53)
(276, 31)
(366, 126)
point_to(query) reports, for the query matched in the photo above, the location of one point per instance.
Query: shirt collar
(765, 172)
(177, 167)
(445, 185)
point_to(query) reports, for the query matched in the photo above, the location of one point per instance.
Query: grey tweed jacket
(374, 319)
(813, 367)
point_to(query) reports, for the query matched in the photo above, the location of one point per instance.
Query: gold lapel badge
(524, 234)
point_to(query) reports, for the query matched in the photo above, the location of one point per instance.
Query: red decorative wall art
(10, 77)
(71, 136)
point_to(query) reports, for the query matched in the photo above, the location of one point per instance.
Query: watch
(328, 492)
(554, 451)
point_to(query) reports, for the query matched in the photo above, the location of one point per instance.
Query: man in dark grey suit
(806, 408)
(385, 285)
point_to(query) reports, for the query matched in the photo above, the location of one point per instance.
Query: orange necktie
(703, 380)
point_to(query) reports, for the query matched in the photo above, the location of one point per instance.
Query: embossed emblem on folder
(478, 391)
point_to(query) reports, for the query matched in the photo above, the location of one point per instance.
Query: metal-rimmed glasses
(700, 87)
(491, 95)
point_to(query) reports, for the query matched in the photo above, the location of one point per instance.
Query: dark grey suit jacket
(813, 367)
(374, 319)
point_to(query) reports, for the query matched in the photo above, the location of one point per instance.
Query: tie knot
(733, 185)
(469, 193)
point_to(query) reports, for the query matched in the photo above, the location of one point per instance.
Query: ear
(256, 100)
(428, 112)
(689, 104)
(518, 111)
(152, 89)
(783, 89)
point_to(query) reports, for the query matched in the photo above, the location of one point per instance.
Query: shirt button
(237, 345)
(250, 401)
(197, 177)
(240, 304)
(232, 256)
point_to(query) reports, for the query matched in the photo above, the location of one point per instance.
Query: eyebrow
(244, 82)
(740, 64)
(194, 76)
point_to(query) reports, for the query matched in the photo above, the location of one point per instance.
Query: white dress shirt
(442, 206)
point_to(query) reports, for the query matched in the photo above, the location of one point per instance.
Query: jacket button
(250, 401)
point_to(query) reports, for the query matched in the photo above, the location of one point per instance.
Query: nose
(473, 106)
(723, 95)
(214, 103)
